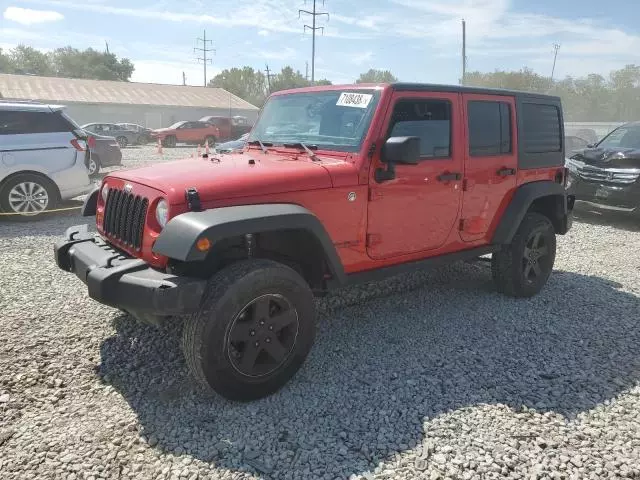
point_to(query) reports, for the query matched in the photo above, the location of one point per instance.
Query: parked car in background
(187, 132)
(103, 152)
(123, 136)
(42, 160)
(144, 133)
(230, 127)
(607, 175)
(232, 146)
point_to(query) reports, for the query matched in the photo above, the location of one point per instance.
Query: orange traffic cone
(206, 148)
(159, 146)
(199, 151)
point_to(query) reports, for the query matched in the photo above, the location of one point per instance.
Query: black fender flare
(520, 203)
(179, 236)
(90, 204)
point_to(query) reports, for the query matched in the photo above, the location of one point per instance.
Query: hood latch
(193, 199)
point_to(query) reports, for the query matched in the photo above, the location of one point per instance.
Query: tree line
(66, 62)
(595, 97)
(607, 98)
(253, 85)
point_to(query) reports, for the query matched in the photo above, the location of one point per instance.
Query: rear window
(22, 122)
(542, 131)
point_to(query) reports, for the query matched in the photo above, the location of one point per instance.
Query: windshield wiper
(308, 148)
(262, 145)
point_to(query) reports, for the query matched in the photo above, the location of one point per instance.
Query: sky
(418, 40)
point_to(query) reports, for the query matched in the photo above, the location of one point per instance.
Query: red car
(338, 185)
(194, 133)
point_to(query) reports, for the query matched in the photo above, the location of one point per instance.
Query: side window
(489, 128)
(430, 120)
(541, 125)
(21, 122)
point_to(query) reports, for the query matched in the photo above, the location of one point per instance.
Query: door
(418, 209)
(490, 161)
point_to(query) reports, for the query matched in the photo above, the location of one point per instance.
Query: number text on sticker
(358, 100)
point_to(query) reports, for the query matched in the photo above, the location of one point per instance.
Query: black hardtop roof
(428, 87)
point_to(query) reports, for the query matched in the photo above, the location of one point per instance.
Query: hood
(609, 157)
(231, 177)
(160, 130)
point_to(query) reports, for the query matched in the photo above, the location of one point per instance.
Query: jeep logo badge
(351, 197)
(128, 188)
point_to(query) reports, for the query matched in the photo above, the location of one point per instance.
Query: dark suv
(606, 175)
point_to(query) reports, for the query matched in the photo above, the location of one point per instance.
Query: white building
(148, 104)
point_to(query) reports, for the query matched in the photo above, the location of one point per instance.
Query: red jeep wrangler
(337, 185)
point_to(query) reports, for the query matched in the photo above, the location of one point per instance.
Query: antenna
(313, 29)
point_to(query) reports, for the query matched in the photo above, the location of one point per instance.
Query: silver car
(43, 159)
(123, 135)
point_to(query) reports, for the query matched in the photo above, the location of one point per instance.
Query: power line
(464, 51)
(269, 75)
(556, 47)
(314, 13)
(204, 51)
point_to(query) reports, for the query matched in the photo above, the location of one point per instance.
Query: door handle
(448, 177)
(505, 172)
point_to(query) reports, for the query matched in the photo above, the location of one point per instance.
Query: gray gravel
(423, 376)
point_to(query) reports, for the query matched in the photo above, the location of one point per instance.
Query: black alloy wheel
(262, 335)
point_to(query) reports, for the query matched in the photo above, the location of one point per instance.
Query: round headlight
(162, 212)
(104, 192)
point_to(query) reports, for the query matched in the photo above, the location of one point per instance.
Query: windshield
(177, 124)
(627, 136)
(331, 120)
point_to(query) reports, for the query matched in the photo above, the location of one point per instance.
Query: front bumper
(606, 196)
(118, 280)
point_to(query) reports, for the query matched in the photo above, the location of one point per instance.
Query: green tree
(245, 82)
(73, 63)
(288, 78)
(376, 76)
(594, 97)
(28, 60)
(6, 64)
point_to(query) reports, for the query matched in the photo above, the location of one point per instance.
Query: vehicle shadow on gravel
(388, 358)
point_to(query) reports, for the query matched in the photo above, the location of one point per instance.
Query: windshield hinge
(193, 199)
(372, 149)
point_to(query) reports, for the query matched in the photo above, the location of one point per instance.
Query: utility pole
(107, 45)
(306, 71)
(313, 29)
(269, 75)
(556, 47)
(204, 51)
(464, 51)
(184, 79)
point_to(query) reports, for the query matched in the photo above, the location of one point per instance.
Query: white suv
(43, 158)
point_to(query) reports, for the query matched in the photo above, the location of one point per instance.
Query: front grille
(124, 217)
(608, 175)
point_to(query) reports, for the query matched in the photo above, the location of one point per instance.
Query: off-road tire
(207, 333)
(122, 141)
(508, 266)
(170, 141)
(6, 187)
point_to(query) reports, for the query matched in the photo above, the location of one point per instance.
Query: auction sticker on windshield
(358, 100)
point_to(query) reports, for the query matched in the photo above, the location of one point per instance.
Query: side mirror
(591, 145)
(403, 150)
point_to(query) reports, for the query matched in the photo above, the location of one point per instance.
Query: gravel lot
(424, 376)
